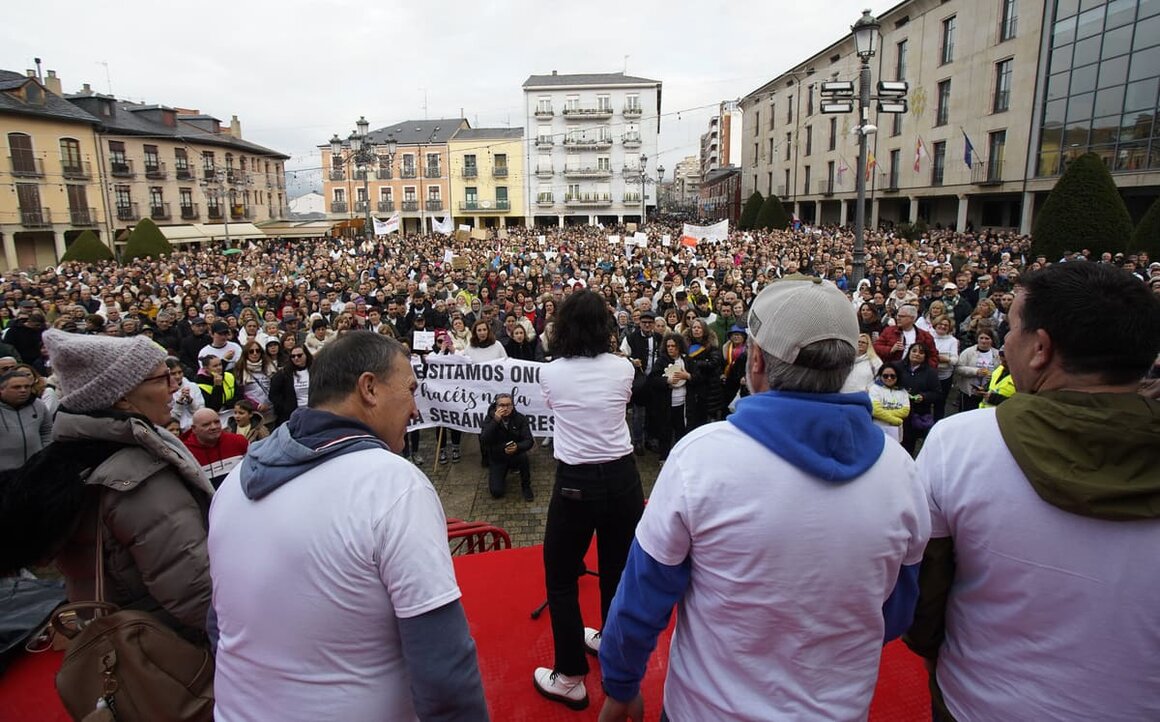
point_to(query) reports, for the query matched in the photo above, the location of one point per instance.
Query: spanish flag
(871, 161)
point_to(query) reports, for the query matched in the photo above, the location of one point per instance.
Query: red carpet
(500, 589)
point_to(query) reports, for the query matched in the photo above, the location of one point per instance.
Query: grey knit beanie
(95, 372)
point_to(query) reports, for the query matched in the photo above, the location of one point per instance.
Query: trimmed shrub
(87, 248)
(1147, 234)
(1084, 210)
(750, 211)
(145, 240)
(772, 215)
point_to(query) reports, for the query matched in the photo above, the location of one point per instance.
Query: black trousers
(673, 431)
(498, 467)
(605, 499)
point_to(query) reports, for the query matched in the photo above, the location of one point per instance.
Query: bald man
(217, 450)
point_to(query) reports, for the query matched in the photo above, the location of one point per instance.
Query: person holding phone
(507, 437)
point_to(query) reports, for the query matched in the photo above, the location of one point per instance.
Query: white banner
(391, 225)
(641, 239)
(446, 226)
(716, 232)
(455, 393)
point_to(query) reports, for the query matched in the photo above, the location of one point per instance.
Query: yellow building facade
(50, 173)
(487, 177)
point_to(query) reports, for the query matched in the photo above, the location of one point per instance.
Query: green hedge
(1084, 210)
(87, 248)
(1147, 234)
(749, 213)
(772, 215)
(146, 240)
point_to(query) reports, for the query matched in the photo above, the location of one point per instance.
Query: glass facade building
(1103, 85)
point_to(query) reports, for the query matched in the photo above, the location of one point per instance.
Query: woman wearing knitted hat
(136, 485)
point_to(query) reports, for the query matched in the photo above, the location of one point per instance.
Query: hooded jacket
(24, 431)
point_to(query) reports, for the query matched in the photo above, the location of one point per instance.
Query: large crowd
(131, 394)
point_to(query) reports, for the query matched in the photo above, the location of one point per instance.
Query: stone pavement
(463, 488)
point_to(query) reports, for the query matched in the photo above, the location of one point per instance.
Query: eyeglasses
(503, 403)
(297, 355)
(254, 350)
(168, 376)
(888, 377)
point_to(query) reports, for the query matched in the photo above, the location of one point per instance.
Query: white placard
(666, 240)
(613, 240)
(424, 341)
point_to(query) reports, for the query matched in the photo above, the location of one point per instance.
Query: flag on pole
(968, 150)
(871, 161)
(843, 168)
(919, 154)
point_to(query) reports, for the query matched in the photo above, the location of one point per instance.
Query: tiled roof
(54, 106)
(490, 134)
(418, 132)
(587, 79)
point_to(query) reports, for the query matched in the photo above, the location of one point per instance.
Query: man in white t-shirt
(334, 594)
(221, 346)
(1040, 588)
(789, 536)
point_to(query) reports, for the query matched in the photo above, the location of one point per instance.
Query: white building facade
(591, 140)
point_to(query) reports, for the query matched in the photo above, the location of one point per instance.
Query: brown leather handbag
(127, 665)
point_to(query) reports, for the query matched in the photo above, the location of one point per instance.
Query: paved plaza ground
(463, 488)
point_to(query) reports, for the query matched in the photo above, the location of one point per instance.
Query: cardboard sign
(424, 341)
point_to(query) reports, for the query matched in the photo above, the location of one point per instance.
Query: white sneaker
(592, 640)
(565, 689)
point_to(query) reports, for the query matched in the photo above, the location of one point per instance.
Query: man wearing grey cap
(792, 562)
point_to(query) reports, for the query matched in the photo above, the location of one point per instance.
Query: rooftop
(576, 79)
(490, 134)
(54, 106)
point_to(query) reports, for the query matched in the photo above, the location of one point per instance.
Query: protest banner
(455, 393)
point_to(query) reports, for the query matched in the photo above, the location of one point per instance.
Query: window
(185, 196)
(996, 144)
(156, 198)
(181, 160)
(573, 191)
(788, 144)
(943, 108)
(895, 162)
(432, 165)
(152, 160)
(806, 177)
(572, 102)
(70, 155)
(122, 197)
(785, 183)
(772, 115)
(604, 103)
(632, 103)
(1008, 21)
(229, 162)
(809, 139)
(830, 177)
(900, 61)
(433, 193)
(339, 195)
(757, 122)
(207, 161)
(409, 165)
(544, 106)
(501, 196)
(409, 194)
(544, 134)
(789, 109)
(470, 170)
(78, 204)
(604, 163)
(772, 146)
(1002, 86)
(544, 163)
(769, 181)
(947, 47)
(810, 100)
(385, 195)
(938, 163)
(360, 196)
(499, 161)
(833, 133)
(117, 156)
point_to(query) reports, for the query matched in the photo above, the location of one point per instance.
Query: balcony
(544, 199)
(631, 140)
(410, 206)
(337, 174)
(630, 170)
(587, 113)
(360, 174)
(987, 173)
(545, 172)
(544, 141)
(237, 177)
(159, 211)
(189, 212)
(209, 173)
(76, 170)
(631, 198)
(434, 204)
(891, 184)
(544, 113)
(588, 143)
(121, 168)
(155, 171)
(431, 171)
(408, 173)
(498, 206)
(83, 216)
(242, 213)
(635, 111)
(26, 166)
(339, 207)
(35, 217)
(127, 212)
(361, 206)
(383, 174)
(386, 206)
(214, 213)
(470, 172)
(500, 171)
(588, 172)
(183, 172)
(588, 199)
(826, 187)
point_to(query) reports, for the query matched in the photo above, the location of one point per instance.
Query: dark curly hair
(582, 326)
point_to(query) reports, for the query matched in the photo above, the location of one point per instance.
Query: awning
(217, 231)
(182, 234)
(296, 229)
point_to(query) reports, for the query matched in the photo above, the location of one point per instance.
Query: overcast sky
(295, 72)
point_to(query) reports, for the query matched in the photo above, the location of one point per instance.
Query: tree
(1084, 210)
(88, 249)
(772, 215)
(749, 213)
(146, 240)
(1147, 235)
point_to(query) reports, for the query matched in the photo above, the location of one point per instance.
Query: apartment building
(1002, 94)
(487, 177)
(721, 143)
(415, 182)
(52, 171)
(687, 182)
(719, 195)
(591, 150)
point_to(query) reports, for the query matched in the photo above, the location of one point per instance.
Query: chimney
(553, 72)
(53, 83)
(86, 90)
(30, 72)
(235, 127)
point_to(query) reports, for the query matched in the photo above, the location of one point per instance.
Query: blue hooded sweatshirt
(830, 436)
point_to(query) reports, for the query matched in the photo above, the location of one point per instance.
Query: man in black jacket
(643, 349)
(507, 438)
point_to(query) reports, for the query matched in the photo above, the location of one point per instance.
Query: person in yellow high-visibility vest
(1000, 388)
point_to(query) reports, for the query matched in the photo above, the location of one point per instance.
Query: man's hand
(897, 347)
(230, 355)
(614, 711)
(1150, 389)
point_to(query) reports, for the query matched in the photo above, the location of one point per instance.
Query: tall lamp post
(214, 186)
(660, 187)
(363, 154)
(865, 39)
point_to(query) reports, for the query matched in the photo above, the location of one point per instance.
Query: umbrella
(231, 251)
